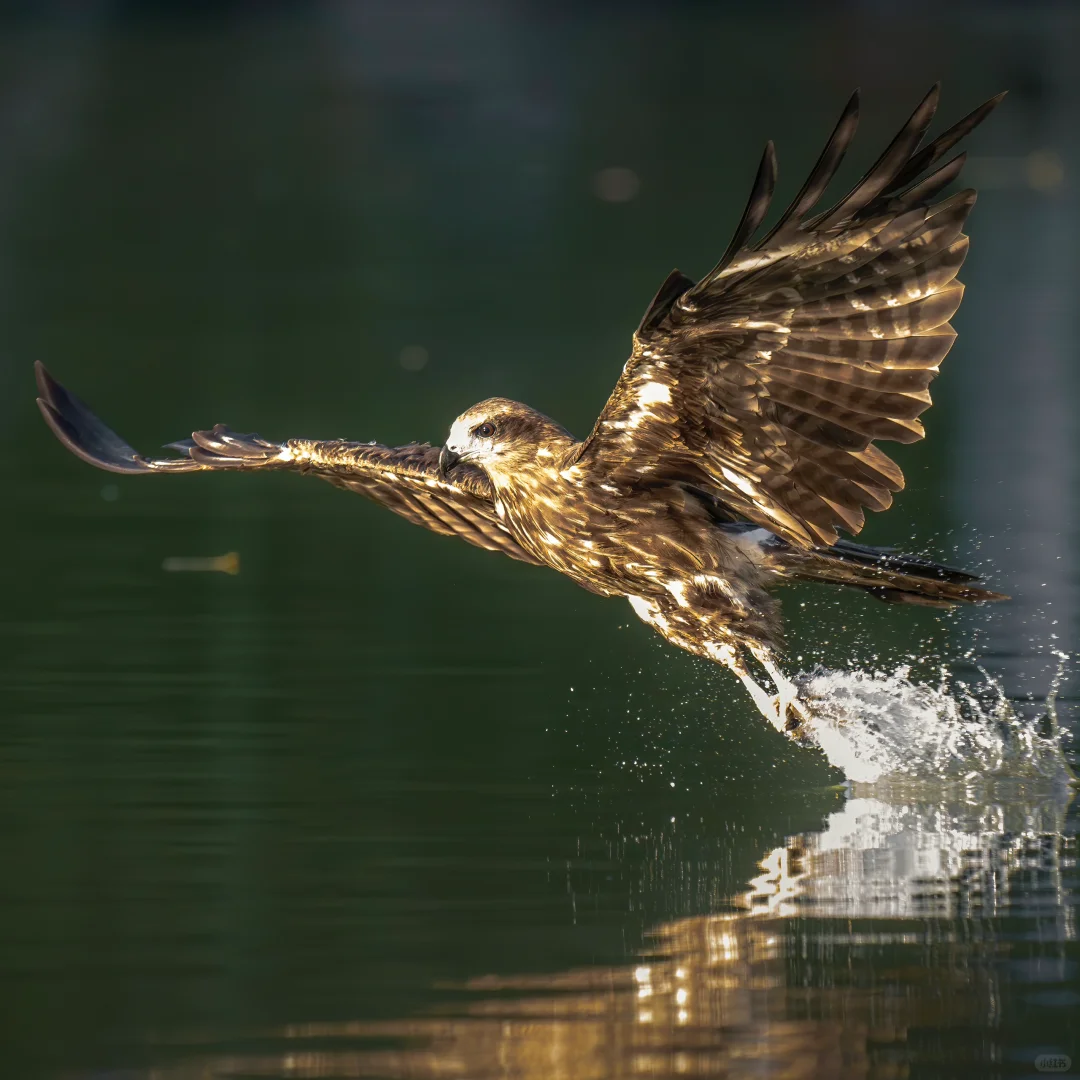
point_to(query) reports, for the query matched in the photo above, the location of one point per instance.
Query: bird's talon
(791, 713)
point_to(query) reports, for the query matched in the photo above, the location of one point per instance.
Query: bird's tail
(887, 575)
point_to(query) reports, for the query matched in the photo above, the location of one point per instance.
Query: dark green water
(385, 805)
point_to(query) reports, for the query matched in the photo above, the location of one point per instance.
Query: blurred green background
(377, 760)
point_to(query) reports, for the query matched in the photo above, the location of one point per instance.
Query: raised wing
(404, 479)
(767, 382)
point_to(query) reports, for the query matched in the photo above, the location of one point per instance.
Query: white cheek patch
(462, 441)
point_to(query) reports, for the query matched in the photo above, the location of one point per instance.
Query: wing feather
(823, 171)
(404, 479)
(883, 173)
(767, 383)
(756, 208)
(926, 157)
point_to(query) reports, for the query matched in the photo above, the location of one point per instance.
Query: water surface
(384, 805)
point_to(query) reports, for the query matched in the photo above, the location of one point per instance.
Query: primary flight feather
(739, 439)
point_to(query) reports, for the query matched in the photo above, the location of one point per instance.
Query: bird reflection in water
(897, 916)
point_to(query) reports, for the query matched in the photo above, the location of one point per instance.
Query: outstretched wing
(404, 479)
(767, 382)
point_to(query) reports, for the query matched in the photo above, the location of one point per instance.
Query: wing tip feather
(757, 206)
(80, 431)
(89, 438)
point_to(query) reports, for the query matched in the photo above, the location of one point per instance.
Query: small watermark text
(1053, 1063)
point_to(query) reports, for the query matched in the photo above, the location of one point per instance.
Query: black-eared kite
(738, 440)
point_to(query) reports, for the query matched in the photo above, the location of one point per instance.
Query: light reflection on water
(873, 948)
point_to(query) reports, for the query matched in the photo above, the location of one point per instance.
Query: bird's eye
(484, 430)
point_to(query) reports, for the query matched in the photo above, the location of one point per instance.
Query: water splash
(878, 725)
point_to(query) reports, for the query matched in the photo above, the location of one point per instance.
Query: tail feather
(888, 575)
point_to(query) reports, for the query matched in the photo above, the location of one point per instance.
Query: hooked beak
(447, 460)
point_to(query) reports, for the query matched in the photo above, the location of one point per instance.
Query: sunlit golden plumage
(740, 437)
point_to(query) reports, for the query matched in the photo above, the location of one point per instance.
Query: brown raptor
(739, 439)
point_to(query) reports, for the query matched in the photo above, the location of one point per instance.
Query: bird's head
(503, 437)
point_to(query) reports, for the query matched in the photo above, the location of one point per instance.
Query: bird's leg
(729, 657)
(791, 711)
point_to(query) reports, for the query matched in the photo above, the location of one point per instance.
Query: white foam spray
(879, 725)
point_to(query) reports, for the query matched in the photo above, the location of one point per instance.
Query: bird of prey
(739, 438)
